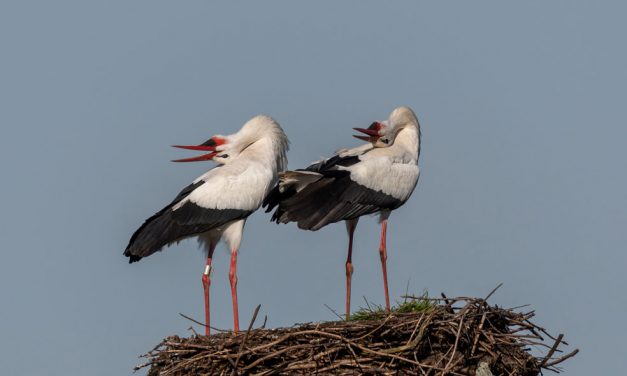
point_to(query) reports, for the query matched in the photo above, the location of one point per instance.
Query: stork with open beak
(376, 177)
(215, 206)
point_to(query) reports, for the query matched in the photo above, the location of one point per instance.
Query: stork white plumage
(377, 177)
(215, 206)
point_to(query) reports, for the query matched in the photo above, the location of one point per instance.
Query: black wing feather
(333, 198)
(326, 166)
(168, 226)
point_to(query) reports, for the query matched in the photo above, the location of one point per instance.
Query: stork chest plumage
(234, 186)
(393, 170)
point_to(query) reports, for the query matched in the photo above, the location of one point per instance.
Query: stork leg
(206, 283)
(384, 256)
(350, 227)
(233, 279)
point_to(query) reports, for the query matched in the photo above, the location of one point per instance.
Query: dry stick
(276, 342)
(486, 348)
(177, 351)
(411, 337)
(338, 337)
(552, 350)
(474, 343)
(338, 365)
(441, 358)
(493, 291)
(563, 358)
(328, 357)
(267, 372)
(272, 355)
(334, 312)
(354, 357)
(373, 351)
(191, 328)
(201, 347)
(326, 353)
(375, 329)
(309, 365)
(547, 334)
(182, 365)
(199, 323)
(412, 342)
(519, 307)
(241, 346)
(138, 367)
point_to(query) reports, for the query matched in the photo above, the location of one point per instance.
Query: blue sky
(522, 166)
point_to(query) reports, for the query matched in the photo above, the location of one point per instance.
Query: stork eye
(224, 156)
(385, 141)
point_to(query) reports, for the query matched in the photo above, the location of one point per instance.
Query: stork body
(215, 206)
(373, 178)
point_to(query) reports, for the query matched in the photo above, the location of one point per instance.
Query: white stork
(377, 177)
(215, 206)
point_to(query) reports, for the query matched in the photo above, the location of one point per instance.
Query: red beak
(369, 131)
(204, 157)
(365, 138)
(372, 131)
(210, 145)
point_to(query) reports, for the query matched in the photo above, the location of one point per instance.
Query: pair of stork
(376, 177)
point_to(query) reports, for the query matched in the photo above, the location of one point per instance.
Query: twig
(241, 346)
(548, 356)
(493, 291)
(191, 328)
(334, 312)
(204, 325)
(560, 360)
(459, 330)
(474, 342)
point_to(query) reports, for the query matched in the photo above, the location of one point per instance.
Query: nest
(459, 336)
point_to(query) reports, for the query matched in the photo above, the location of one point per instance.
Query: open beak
(204, 157)
(365, 138)
(372, 132)
(210, 146)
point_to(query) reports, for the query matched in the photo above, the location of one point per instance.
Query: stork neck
(265, 152)
(408, 139)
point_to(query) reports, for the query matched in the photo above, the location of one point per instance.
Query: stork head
(374, 134)
(211, 145)
(383, 133)
(402, 117)
(224, 149)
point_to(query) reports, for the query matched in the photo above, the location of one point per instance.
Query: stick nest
(460, 336)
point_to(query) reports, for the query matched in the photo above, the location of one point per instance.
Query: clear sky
(522, 107)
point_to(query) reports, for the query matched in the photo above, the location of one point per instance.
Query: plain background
(522, 106)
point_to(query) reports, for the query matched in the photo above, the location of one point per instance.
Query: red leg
(350, 225)
(233, 279)
(384, 256)
(206, 283)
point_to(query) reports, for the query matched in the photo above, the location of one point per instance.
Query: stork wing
(341, 188)
(213, 200)
(334, 197)
(282, 191)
